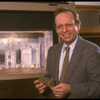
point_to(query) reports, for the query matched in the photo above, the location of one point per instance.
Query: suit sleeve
(91, 88)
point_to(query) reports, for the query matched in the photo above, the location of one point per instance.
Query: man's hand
(40, 86)
(61, 90)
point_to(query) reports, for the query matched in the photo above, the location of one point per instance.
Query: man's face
(66, 27)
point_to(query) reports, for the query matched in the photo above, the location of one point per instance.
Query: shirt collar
(72, 46)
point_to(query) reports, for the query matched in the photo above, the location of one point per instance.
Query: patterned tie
(65, 64)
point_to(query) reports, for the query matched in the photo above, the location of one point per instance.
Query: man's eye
(68, 25)
(59, 27)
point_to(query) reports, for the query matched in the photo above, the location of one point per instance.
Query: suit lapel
(57, 57)
(76, 56)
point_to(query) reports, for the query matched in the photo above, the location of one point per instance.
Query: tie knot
(67, 49)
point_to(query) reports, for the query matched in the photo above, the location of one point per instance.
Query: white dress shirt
(63, 52)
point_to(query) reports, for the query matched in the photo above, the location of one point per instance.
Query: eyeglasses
(66, 26)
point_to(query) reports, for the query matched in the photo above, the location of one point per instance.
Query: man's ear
(79, 25)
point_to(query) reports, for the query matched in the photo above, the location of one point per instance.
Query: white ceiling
(87, 3)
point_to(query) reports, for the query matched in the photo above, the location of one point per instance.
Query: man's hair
(61, 10)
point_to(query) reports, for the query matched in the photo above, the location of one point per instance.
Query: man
(82, 78)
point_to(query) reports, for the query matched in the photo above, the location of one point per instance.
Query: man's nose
(64, 28)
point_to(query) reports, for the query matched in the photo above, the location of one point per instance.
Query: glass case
(24, 49)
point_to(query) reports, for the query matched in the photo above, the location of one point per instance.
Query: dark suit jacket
(83, 72)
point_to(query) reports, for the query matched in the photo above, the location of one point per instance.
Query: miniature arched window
(2, 57)
(18, 56)
(34, 57)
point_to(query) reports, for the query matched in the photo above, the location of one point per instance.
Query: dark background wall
(27, 21)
